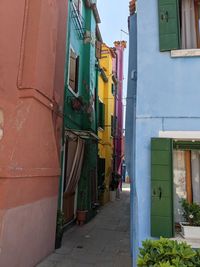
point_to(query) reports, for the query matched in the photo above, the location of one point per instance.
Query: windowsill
(72, 91)
(100, 129)
(185, 53)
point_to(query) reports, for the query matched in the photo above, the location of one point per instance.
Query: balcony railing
(78, 21)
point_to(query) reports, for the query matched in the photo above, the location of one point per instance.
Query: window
(113, 89)
(98, 49)
(179, 24)
(101, 115)
(73, 71)
(78, 4)
(113, 125)
(197, 20)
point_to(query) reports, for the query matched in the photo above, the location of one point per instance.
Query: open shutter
(169, 25)
(161, 188)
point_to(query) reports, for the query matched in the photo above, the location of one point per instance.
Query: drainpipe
(115, 113)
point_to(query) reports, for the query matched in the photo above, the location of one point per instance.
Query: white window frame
(76, 94)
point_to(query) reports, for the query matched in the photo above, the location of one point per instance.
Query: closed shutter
(77, 74)
(162, 188)
(101, 115)
(169, 24)
(98, 49)
(101, 171)
(72, 71)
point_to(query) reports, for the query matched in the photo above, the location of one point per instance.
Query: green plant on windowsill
(115, 181)
(167, 253)
(59, 228)
(191, 212)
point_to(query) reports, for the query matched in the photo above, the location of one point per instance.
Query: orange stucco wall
(32, 61)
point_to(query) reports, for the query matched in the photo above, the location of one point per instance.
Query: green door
(162, 188)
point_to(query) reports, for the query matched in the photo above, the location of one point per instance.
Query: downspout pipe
(130, 138)
(115, 113)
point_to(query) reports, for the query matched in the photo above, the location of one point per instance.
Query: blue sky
(114, 16)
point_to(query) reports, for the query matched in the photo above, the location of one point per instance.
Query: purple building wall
(119, 70)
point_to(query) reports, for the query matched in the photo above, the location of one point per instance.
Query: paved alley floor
(103, 242)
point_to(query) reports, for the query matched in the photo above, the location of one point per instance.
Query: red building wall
(32, 60)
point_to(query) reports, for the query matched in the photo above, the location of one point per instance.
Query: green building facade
(78, 187)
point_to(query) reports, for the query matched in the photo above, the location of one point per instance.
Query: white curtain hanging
(195, 176)
(75, 161)
(179, 183)
(188, 31)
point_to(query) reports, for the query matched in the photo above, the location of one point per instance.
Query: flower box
(188, 231)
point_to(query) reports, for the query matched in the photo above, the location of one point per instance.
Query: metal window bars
(78, 21)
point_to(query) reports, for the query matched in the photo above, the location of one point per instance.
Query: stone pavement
(103, 242)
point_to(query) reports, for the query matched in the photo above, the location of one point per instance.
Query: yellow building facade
(106, 114)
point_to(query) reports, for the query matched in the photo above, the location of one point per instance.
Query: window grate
(78, 21)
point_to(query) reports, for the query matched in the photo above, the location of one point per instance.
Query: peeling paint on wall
(1, 123)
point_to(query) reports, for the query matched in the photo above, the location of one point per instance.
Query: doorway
(175, 174)
(75, 147)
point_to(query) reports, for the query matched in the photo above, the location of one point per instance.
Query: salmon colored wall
(32, 61)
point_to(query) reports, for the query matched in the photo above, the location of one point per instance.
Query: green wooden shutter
(169, 24)
(162, 188)
(101, 115)
(101, 170)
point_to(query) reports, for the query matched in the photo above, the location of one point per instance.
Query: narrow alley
(104, 242)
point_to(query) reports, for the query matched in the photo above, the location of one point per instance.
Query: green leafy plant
(191, 212)
(59, 228)
(115, 181)
(59, 224)
(82, 201)
(167, 253)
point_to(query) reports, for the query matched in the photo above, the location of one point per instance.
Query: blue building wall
(167, 99)
(130, 128)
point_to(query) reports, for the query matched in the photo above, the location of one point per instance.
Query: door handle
(165, 16)
(160, 192)
(154, 192)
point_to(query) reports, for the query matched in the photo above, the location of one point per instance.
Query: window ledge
(100, 129)
(72, 91)
(185, 53)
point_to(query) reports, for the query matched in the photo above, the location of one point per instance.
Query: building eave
(96, 13)
(98, 34)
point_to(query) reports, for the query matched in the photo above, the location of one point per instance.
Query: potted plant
(114, 185)
(101, 190)
(191, 213)
(167, 253)
(59, 229)
(81, 214)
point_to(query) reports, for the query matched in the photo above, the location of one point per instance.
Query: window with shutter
(98, 49)
(169, 25)
(197, 20)
(162, 223)
(113, 125)
(73, 71)
(179, 24)
(101, 115)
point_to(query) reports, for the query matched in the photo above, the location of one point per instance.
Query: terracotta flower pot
(81, 216)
